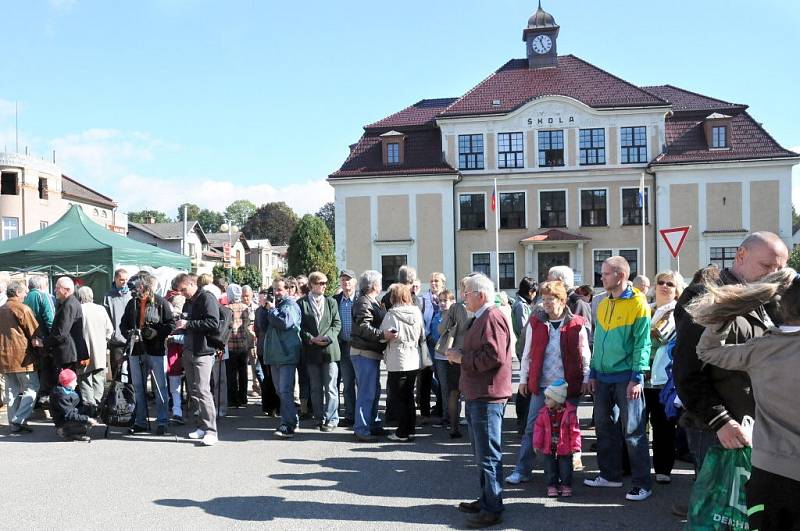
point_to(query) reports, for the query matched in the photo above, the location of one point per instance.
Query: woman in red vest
(556, 347)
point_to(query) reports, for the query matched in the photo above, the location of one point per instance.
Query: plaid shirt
(346, 315)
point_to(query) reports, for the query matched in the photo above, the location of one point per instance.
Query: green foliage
(327, 213)
(144, 216)
(275, 221)
(311, 249)
(240, 211)
(794, 259)
(247, 275)
(209, 220)
(193, 211)
(795, 220)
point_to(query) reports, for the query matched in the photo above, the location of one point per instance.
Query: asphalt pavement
(253, 480)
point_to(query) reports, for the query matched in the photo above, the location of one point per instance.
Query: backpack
(219, 339)
(669, 394)
(119, 403)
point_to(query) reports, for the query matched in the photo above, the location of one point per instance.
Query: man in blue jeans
(282, 352)
(485, 359)
(621, 356)
(345, 299)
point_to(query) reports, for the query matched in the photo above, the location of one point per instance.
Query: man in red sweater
(485, 359)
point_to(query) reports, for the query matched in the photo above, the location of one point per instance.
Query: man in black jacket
(65, 342)
(147, 321)
(202, 321)
(716, 400)
(345, 299)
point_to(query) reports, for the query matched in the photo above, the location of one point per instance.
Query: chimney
(151, 220)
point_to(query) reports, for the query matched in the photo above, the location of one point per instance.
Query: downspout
(652, 172)
(455, 235)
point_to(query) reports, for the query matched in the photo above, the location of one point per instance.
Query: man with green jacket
(620, 357)
(282, 352)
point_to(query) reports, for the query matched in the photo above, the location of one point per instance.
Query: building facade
(586, 166)
(35, 193)
(170, 236)
(268, 259)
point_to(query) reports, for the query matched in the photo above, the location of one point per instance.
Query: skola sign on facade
(552, 120)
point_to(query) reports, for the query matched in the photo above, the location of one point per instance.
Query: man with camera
(200, 319)
(115, 302)
(146, 323)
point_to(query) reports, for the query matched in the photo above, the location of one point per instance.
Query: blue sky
(260, 99)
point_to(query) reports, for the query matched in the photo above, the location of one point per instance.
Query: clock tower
(540, 39)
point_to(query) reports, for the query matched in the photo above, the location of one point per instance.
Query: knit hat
(66, 377)
(557, 391)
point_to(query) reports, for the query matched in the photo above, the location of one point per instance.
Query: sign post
(675, 238)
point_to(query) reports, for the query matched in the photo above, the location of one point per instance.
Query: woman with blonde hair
(668, 288)
(772, 363)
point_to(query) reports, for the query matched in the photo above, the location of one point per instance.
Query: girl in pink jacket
(556, 436)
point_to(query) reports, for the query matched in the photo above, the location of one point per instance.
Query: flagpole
(496, 198)
(643, 197)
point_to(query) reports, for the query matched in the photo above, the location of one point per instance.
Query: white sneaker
(600, 481)
(516, 478)
(197, 434)
(638, 494)
(210, 439)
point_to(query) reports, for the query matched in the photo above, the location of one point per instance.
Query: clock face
(541, 44)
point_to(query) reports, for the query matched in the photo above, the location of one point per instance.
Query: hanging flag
(494, 201)
(640, 195)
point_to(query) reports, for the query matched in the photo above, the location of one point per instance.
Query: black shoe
(326, 428)
(82, 438)
(177, 419)
(137, 429)
(473, 507)
(21, 427)
(483, 519)
(161, 430)
(378, 432)
(456, 435)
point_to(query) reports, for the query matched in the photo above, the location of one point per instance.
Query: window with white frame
(390, 266)
(482, 263)
(512, 210)
(719, 136)
(10, 228)
(632, 256)
(472, 211)
(470, 152)
(598, 257)
(553, 209)
(633, 145)
(722, 257)
(507, 276)
(594, 210)
(393, 153)
(632, 202)
(509, 150)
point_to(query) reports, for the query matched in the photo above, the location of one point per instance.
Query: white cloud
(137, 192)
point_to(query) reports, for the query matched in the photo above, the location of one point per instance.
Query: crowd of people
(724, 343)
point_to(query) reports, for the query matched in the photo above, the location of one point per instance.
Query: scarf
(317, 305)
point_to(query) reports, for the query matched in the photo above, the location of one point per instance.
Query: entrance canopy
(77, 245)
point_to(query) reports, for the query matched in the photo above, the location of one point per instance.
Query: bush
(311, 249)
(249, 275)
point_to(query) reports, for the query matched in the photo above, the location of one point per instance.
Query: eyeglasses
(468, 292)
(321, 283)
(665, 283)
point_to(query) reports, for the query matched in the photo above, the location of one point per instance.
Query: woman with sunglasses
(668, 287)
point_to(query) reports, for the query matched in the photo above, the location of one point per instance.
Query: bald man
(65, 342)
(716, 400)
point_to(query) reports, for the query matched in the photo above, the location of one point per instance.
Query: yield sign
(675, 238)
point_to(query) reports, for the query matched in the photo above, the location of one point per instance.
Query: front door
(548, 260)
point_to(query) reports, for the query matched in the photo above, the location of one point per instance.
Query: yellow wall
(684, 211)
(393, 220)
(723, 206)
(764, 200)
(430, 244)
(358, 230)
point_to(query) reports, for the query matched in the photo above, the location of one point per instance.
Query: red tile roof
(423, 155)
(424, 112)
(685, 100)
(515, 84)
(551, 235)
(686, 141)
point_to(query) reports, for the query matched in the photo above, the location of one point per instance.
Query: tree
(247, 275)
(311, 249)
(794, 259)
(144, 216)
(795, 220)
(209, 220)
(275, 221)
(240, 211)
(327, 213)
(193, 211)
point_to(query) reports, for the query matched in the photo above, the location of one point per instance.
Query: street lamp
(230, 228)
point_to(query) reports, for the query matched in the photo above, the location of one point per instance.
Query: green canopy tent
(75, 245)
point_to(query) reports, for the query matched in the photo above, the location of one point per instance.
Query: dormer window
(719, 136)
(393, 144)
(717, 128)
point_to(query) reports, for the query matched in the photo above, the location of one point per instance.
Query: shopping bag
(718, 497)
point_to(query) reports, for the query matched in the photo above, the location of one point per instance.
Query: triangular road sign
(675, 238)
